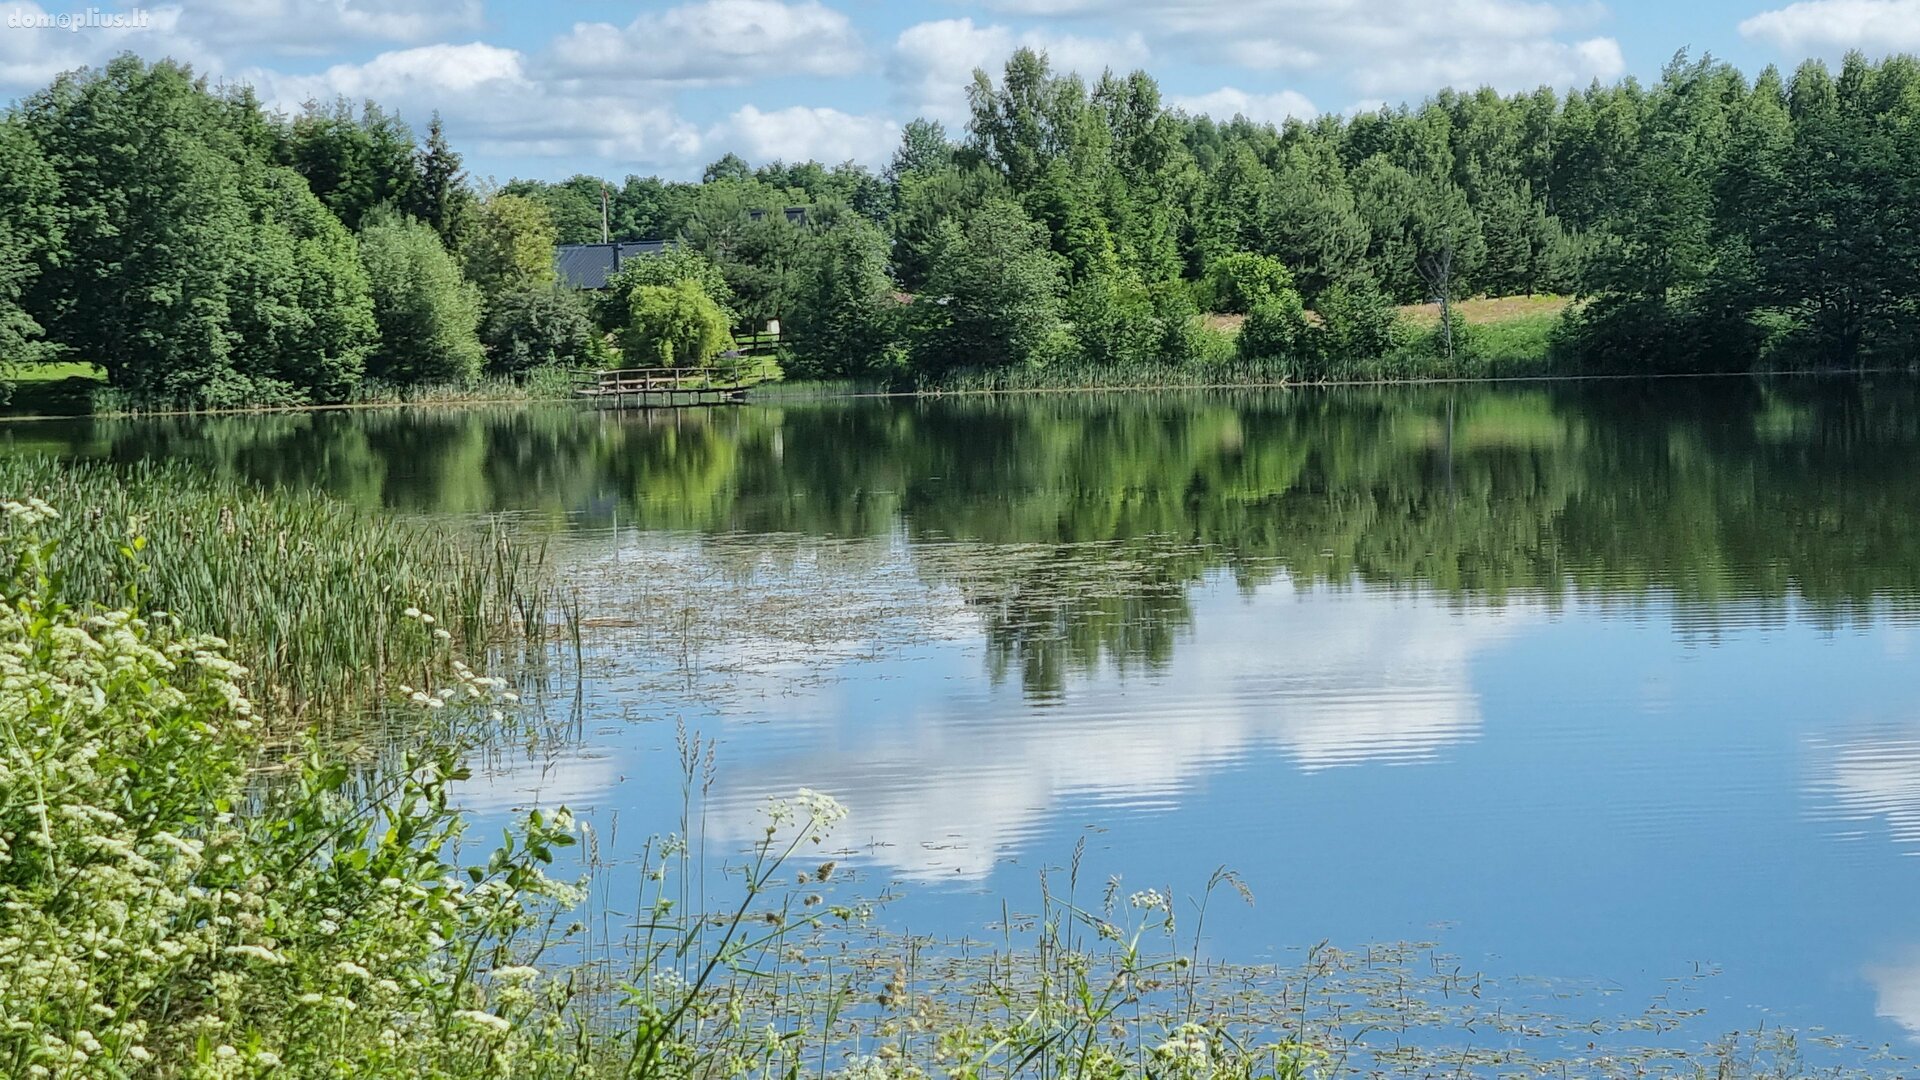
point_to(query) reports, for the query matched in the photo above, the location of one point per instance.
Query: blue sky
(617, 86)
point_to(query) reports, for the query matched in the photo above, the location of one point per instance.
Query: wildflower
(412, 613)
(1148, 900)
(256, 952)
(267, 1059)
(484, 1020)
(352, 970)
(441, 634)
(516, 973)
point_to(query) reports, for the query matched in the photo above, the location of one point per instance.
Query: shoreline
(1114, 388)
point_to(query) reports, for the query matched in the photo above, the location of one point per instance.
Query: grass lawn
(1488, 311)
(61, 389)
(45, 373)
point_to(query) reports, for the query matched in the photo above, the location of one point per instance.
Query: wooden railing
(659, 380)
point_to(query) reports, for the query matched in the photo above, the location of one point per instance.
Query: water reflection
(968, 777)
(1734, 496)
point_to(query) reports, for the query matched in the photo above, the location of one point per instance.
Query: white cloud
(1405, 48)
(209, 33)
(799, 133)
(1228, 102)
(493, 106)
(314, 26)
(713, 42)
(34, 48)
(1828, 27)
(933, 62)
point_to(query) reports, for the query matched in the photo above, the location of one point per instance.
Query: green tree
(427, 313)
(510, 246)
(440, 197)
(151, 176)
(302, 321)
(355, 163)
(927, 200)
(29, 233)
(845, 318)
(674, 325)
(1276, 329)
(993, 295)
(1358, 325)
(670, 267)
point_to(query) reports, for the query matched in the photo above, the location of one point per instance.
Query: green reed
(307, 587)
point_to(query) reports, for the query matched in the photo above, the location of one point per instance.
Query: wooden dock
(666, 387)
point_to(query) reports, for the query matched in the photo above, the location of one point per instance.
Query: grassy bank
(1501, 337)
(305, 585)
(70, 389)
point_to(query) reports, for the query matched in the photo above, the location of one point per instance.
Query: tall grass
(306, 586)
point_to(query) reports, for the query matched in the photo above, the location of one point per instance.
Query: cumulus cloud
(799, 133)
(494, 106)
(34, 47)
(933, 62)
(713, 42)
(209, 34)
(1394, 48)
(1828, 27)
(1229, 102)
(315, 26)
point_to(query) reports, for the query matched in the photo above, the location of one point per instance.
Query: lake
(1608, 682)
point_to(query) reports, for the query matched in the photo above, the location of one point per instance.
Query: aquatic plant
(306, 586)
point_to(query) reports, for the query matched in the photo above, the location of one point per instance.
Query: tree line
(200, 247)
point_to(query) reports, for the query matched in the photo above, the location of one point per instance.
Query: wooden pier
(666, 387)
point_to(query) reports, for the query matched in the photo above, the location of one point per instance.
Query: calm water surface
(1611, 682)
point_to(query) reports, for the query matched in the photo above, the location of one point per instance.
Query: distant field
(1480, 311)
(1491, 309)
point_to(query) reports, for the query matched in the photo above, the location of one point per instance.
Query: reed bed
(309, 589)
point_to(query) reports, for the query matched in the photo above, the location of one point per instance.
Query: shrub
(1276, 329)
(1358, 326)
(673, 326)
(1114, 322)
(1239, 282)
(538, 327)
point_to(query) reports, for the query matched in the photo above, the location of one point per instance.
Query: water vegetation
(298, 580)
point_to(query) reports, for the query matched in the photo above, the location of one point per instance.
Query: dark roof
(795, 215)
(588, 266)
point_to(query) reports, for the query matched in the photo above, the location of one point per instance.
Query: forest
(202, 249)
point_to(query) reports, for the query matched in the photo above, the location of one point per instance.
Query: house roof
(588, 266)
